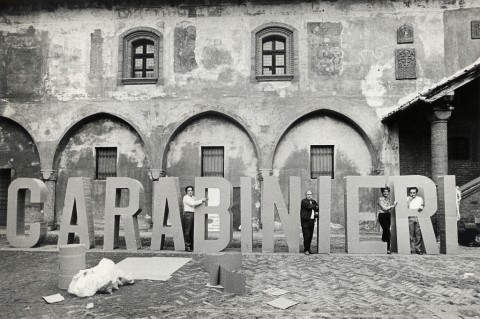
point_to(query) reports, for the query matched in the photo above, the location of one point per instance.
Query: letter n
(77, 214)
(272, 199)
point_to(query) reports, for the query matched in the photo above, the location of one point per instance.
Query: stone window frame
(125, 55)
(291, 45)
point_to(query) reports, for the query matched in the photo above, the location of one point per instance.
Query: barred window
(458, 148)
(4, 183)
(213, 161)
(106, 162)
(321, 160)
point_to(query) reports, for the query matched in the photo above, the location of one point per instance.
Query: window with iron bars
(213, 161)
(321, 161)
(106, 162)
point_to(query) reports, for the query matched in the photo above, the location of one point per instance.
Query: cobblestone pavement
(326, 286)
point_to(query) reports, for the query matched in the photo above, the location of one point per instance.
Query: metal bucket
(71, 259)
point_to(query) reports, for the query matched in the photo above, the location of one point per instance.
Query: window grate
(106, 162)
(213, 161)
(321, 161)
(5, 180)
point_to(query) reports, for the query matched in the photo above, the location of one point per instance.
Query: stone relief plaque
(405, 64)
(405, 34)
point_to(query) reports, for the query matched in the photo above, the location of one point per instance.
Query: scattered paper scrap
(275, 291)
(468, 275)
(215, 286)
(54, 298)
(89, 305)
(153, 268)
(282, 303)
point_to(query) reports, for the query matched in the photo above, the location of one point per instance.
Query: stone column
(439, 144)
(49, 177)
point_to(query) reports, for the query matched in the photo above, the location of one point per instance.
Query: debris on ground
(103, 278)
(54, 298)
(282, 303)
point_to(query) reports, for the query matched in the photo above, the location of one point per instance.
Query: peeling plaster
(372, 87)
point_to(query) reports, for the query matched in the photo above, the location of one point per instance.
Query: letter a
(165, 205)
(77, 214)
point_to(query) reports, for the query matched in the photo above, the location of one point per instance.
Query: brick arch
(73, 128)
(336, 115)
(189, 119)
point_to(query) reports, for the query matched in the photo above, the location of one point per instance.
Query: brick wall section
(469, 208)
(414, 145)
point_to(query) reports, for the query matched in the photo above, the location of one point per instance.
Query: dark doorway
(4, 183)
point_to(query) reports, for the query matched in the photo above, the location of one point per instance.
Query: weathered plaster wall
(58, 66)
(19, 154)
(77, 158)
(351, 156)
(460, 49)
(184, 154)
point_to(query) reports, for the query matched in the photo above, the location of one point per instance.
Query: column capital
(49, 174)
(155, 173)
(440, 114)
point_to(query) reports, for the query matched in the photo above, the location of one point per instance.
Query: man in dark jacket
(308, 213)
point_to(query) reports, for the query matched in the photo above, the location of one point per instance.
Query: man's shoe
(419, 252)
(188, 250)
(389, 252)
(307, 253)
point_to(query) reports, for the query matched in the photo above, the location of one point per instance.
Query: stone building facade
(147, 89)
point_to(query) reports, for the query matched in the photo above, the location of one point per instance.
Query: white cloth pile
(104, 277)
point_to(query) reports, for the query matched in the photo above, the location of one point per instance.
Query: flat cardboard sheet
(54, 298)
(282, 303)
(275, 291)
(152, 268)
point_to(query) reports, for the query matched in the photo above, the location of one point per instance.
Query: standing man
(415, 202)
(189, 204)
(308, 213)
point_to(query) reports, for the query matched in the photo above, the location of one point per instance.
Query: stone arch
(76, 156)
(354, 154)
(334, 114)
(183, 153)
(187, 120)
(71, 129)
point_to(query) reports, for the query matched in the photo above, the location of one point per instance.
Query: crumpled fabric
(103, 278)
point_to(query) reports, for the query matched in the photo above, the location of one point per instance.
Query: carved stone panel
(475, 29)
(405, 64)
(405, 34)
